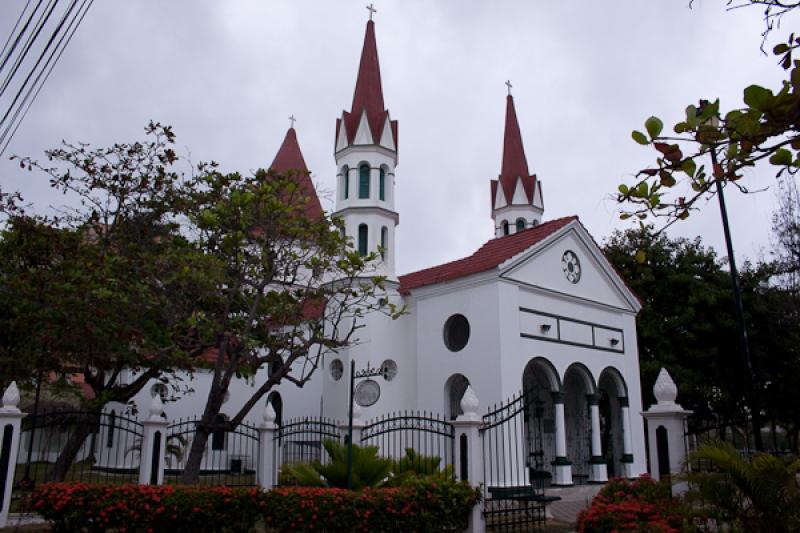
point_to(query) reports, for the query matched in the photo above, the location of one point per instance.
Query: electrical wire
(13, 31)
(45, 15)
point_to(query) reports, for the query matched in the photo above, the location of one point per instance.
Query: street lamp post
(361, 374)
(744, 345)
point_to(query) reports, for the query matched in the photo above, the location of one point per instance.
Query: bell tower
(366, 158)
(517, 201)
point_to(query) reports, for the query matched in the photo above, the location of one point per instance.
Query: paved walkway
(573, 501)
(23, 519)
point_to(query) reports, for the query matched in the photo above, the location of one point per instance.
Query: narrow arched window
(520, 224)
(384, 242)
(382, 185)
(363, 234)
(112, 424)
(346, 180)
(534, 222)
(506, 229)
(363, 181)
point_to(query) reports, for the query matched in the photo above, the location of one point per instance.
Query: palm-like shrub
(760, 495)
(369, 470)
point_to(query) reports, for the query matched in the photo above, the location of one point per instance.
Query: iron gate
(300, 440)
(514, 469)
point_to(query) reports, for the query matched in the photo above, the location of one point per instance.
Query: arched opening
(382, 185)
(520, 224)
(112, 424)
(346, 181)
(363, 235)
(539, 381)
(384, 242)
(454, 389)
(613, 391)
(578, 386)
(534, 222)
(506, 228)
(363, 181)
(274, 399)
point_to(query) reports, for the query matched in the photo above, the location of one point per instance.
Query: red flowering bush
(641, 505)
(421, 505)
(135, 508)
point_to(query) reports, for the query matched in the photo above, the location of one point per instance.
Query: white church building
(537, 310)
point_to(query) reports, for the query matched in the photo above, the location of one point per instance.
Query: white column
(563, 467)
(469, 461)
(154, 444)
(267, 467)
(10, 425)
(627, 448)
(597, 462)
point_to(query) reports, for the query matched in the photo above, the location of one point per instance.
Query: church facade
(537, 310)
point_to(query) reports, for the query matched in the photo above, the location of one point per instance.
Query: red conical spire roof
(368, 95)
(290, 158)
(514, 162)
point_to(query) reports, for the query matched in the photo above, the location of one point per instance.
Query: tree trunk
(67, 456)
(191, 472)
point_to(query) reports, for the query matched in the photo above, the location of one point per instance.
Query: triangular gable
(543, 266)
(387, 138)
(499, 197)
(341, 141)
(363, 133)
(520, 198)
(537, 195)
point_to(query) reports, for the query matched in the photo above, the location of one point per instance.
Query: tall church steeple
(516, 195)
(366, 157)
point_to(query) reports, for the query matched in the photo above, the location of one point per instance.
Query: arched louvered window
(382, 185)
(346, 180)
(506, 229)
(520, 224)
(363, 234)
(363, 181)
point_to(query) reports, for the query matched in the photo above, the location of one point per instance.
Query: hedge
(423, 505)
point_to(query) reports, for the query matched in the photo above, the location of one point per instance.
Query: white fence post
(10, 424)
(267, 465)
(154, 444)
(358, 425)
(666, 428)
(469, 452)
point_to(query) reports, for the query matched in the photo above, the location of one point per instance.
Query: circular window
(456, 332)
(336, 369)
(389, 369)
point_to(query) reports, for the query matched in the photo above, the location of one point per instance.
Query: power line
(10, 35)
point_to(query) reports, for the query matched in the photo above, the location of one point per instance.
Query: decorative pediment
(520, 198)
(387, 137)
(341, 140)
(363, 133)
(499, 197)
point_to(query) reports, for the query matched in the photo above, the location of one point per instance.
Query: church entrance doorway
(613, 397)
(539, 381)
(579, 389)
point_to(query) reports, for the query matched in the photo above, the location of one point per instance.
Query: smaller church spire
(289, 159)
(515, 165)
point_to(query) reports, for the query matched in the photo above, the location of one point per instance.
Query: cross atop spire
(508, 84)
(292, 119)
(371, 10)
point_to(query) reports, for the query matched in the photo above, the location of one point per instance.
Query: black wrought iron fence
(230, 457)
(300, 440)
(421, 442)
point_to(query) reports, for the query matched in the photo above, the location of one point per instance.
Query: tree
(289, 289)
(786, 232)
(766, 128)
(104, 287)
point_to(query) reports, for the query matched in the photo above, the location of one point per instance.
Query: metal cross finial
(371, 10)
(292, 119)
(508, 84)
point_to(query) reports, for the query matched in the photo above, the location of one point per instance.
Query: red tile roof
(488, 256)
(290, 158)
(368, 95)
(514, 162)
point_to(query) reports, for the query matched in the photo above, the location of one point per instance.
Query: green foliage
(759, 495)
(369, 470)
(414, 464)
(766, 128)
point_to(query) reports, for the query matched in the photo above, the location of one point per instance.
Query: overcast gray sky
(227, 74)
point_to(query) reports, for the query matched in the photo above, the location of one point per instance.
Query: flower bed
(642, 505)
(422, 505)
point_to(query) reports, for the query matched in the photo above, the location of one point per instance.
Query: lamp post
(368, 372)
(744, 345)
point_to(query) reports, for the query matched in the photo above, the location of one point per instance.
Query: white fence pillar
(267, 465)
(469, 452)
(358, 425)
(10, 424)
(154, 443)
(666, 426)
